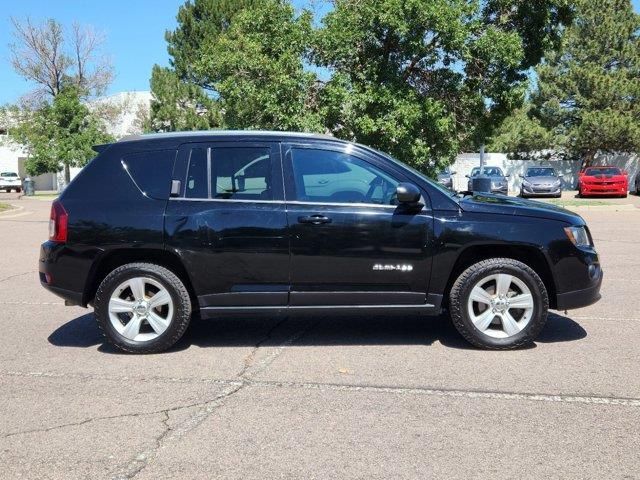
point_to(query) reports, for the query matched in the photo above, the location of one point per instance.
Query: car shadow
(83, 332)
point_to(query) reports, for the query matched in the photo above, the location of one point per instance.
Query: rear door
(351, 244)
(229, 224)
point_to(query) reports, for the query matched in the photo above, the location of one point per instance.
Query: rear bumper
(63, 272)
(581, 298)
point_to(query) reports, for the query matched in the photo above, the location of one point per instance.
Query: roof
(226, 133)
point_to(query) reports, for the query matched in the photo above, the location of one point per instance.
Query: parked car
(603, 181)
(159, 227)
(637, 184)
(445, 178)
(10, 181)
(541, 182)
(499, 183)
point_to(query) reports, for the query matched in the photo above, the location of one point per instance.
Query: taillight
(58, 221)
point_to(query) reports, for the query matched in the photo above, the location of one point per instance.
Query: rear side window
(241, 173)
(151, 171)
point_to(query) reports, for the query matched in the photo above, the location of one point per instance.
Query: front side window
(327, 176)
(242, 173)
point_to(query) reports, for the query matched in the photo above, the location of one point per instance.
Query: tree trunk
(67, 174)
(587, 159)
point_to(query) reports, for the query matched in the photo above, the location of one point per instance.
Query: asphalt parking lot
(309, 398)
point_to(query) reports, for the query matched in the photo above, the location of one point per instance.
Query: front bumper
(540, 191)
(595, 189)
(580, 298)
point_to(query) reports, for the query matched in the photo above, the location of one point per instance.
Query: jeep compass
(159, 228)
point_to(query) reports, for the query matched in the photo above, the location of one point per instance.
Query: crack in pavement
(17, 275)
(143, 459)
(443, 392)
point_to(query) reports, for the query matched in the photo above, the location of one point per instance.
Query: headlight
(578, 236)
(525, 183)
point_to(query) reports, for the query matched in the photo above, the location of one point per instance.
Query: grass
(46, 195)
(5, 206)
(580, 203)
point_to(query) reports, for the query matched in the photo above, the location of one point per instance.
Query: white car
(10, 181)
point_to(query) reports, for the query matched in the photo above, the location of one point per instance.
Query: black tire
(8, 190)
(179, 296)
(18, 190)
(461, 290)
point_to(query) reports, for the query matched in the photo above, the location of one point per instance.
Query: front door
(351, 244)
(229, 224)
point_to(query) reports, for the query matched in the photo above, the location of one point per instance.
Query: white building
(124, 111)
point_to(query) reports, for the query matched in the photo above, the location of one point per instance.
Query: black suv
(160, 227)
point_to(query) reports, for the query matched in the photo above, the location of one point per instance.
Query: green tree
(178, 105)
(243, 61)
(58, 134)
(423, 79)
(588, 93)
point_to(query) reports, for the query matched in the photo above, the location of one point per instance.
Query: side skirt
(422, 309)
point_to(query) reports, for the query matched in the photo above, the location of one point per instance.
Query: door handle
(314, 219)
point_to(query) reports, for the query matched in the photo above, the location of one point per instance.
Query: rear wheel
(499, 303)
(142, 308)
(18, 190)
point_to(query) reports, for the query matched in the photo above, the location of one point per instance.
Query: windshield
(489, 171)
(541, 172)
(603, 171)
(8, 174)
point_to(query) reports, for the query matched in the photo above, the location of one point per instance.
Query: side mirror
(408, 193)
(560, 175)
(452, 173)
(521, 176)
(467, 176)
(507, 176)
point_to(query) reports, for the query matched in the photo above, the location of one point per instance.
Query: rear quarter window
(151, 171)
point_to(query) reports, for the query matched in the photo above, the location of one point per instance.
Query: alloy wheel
(141, 309)
(500, 305)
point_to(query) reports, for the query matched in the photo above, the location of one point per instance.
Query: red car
(603, 181)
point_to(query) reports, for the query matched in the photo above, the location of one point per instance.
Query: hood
(542, 180)
(503, 205)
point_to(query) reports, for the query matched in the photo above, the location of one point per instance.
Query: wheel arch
(113, 259)
(527, 254)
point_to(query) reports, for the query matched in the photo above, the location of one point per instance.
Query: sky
(134, 32)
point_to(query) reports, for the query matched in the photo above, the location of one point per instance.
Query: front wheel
(499, 304)
(142, 308)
